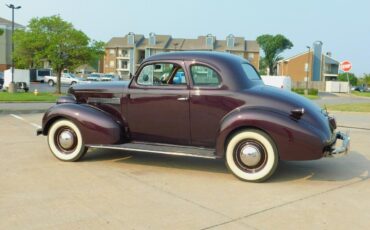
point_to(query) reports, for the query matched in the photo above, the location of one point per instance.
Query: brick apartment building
(320, 67)
(6, 43)
(124, 54)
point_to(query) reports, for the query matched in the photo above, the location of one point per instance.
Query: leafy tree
(98, 51)
(352, 78)
(1, 32)
(273, 46)
(366, 79)
(57, 41)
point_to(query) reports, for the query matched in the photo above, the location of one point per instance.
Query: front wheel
(251, 155)
(65, 141)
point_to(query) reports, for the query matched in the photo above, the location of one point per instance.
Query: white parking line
(22, 119)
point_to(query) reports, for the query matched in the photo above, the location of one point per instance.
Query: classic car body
(203, 104)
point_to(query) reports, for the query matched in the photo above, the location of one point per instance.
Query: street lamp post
(308, 68)
(11, 88)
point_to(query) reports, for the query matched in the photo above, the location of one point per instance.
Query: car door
(210, 101)
(158, 104)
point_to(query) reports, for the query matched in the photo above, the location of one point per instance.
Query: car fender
(294, 139)
(96, 126)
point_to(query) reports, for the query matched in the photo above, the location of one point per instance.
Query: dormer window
(131, 38)
(230, 41)
(210, 41)
(152, 39)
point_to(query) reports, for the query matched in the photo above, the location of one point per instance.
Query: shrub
(310, 91)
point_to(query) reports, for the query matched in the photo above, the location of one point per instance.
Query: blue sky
(343, 26)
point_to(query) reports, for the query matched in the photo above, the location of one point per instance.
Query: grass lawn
(362, 94)
(28, 97)
(360, 107)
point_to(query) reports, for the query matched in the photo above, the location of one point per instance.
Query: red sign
(346, 66)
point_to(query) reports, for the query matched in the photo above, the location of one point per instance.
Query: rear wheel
(65, 141)
(51, 82)
(251, 155)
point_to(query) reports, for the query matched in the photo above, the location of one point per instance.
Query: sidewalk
(33, 107)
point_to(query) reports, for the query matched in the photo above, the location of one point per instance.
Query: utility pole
(308, 69)
(11, 87)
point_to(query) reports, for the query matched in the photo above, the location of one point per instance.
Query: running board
(162, 149)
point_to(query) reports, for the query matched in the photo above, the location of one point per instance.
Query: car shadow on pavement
(354, 165)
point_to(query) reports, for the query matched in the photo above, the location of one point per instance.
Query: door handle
(182, 98)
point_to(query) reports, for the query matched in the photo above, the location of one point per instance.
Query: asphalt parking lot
(112, 189)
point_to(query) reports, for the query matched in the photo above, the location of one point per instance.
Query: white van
(282, 82)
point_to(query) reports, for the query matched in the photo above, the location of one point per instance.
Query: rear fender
(294, 139)
(96, 126)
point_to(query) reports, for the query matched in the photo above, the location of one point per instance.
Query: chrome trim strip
(151, 151)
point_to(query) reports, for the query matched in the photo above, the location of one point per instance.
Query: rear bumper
(342, 149)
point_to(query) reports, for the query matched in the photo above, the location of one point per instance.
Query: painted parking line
(24, 120)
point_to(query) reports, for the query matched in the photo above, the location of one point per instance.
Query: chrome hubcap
(250, 155)
(66, 139)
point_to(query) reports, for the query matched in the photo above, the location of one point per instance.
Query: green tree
(57, 41)
(1, 32)
(352, 78)
(272, 47)
(366, 79)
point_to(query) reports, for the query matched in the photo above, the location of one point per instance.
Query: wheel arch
(244, 119)
(96, 126)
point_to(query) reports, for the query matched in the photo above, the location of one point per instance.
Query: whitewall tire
(251, 155)
(65, 141)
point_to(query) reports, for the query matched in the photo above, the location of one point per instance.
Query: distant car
(1, 80)
(359, 88)
(66, 79)
(211, 105)
(109, 77)
(94, 77)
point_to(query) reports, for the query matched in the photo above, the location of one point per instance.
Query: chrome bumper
(343, 149)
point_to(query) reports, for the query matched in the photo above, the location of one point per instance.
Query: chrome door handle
(182, 98)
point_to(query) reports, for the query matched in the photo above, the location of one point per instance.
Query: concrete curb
(7, 112)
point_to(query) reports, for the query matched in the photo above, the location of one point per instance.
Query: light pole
(11, 88)
(308, 68)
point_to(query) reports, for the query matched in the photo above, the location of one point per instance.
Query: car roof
(209, 56)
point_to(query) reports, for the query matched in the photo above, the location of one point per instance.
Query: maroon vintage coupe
(200, 104)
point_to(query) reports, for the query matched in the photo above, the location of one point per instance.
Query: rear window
(250, 72)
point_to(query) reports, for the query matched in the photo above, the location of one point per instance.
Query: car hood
(100, 87)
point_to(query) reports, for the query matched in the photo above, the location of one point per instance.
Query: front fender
(294, 139)
(96, 126)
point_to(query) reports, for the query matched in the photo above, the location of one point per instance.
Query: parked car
(109, 77)
(359, 88)
(1, 80)
(94, 77)
(66, 79)
(212, 105)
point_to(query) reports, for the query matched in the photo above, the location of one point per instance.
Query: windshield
(250, 72)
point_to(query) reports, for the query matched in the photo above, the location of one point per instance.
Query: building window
(112, 51)
(250, 56)
(111, 64)
(123, 65)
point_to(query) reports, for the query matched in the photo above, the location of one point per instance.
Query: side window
(204, 76)
(161, 74)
